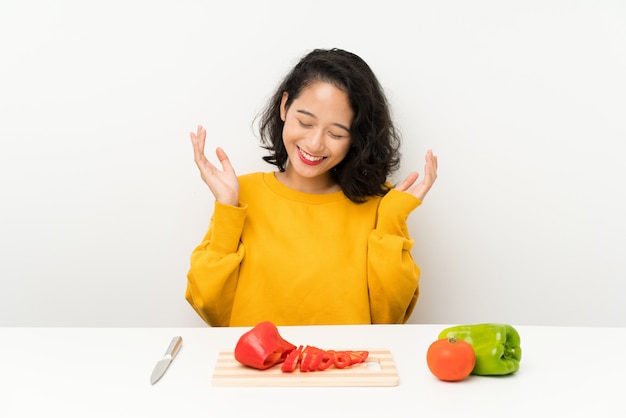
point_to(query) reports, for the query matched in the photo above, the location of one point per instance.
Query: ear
(283, 107)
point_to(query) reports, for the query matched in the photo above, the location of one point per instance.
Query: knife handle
(174, 346)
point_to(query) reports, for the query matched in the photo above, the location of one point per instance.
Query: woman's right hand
(223, 184)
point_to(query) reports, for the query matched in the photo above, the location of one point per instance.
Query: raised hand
(420, 189)
(223, 183)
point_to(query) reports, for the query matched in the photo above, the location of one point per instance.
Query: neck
(312, 185)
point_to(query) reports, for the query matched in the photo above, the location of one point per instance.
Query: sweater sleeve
(393, 276)
(213, 275)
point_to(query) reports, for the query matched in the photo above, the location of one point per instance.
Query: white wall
(523, 102)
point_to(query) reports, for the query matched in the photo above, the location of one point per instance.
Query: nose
(315, 141)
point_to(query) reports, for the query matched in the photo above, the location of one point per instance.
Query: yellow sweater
(304, 259)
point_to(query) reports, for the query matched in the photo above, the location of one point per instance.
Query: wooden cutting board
(378, 370)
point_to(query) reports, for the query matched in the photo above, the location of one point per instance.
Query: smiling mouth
(308, 158)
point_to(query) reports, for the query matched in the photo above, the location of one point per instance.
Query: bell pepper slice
(497, 347)
(327, 360)
(305, 360)
(342, 359)
(292, 360)
(262, 347)
(316, 359)
(357, 357)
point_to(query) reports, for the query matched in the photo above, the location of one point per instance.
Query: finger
(432, 158)
(224, 160)
(408, 181)
(430, 168)
(201, 137)
(198, 140)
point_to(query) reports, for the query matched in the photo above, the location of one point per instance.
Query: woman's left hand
(420, 189)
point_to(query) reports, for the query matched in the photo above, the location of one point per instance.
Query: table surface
(104, 372)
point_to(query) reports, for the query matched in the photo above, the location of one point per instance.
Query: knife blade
(161, 367)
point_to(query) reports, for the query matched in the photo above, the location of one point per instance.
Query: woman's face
(316, 133)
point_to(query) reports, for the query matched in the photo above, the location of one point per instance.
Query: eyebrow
(339, 125)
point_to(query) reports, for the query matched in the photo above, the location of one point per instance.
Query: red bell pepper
(357, 357)
(342, 359)
(305, 360)
(312, 359)
(262, 347)
(327, 360)
(292, 360)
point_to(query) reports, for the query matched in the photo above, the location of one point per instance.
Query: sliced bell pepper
(497, 347)
(308, 357)
(357, 357)
(292, 360)
(316, 358)
(327, 360)
(262, 347)
(342, 359)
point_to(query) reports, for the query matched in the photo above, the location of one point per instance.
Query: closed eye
(304, 125)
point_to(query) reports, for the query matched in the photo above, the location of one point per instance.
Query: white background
(524, 102)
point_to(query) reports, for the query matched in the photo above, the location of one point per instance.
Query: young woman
(323, 239)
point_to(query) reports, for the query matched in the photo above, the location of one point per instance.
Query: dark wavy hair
(374, 152)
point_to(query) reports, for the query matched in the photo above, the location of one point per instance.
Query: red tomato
(450, 359)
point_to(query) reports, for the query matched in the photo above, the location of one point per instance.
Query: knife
(163, 364)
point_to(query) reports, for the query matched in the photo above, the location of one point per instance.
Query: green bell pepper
(497, 347)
